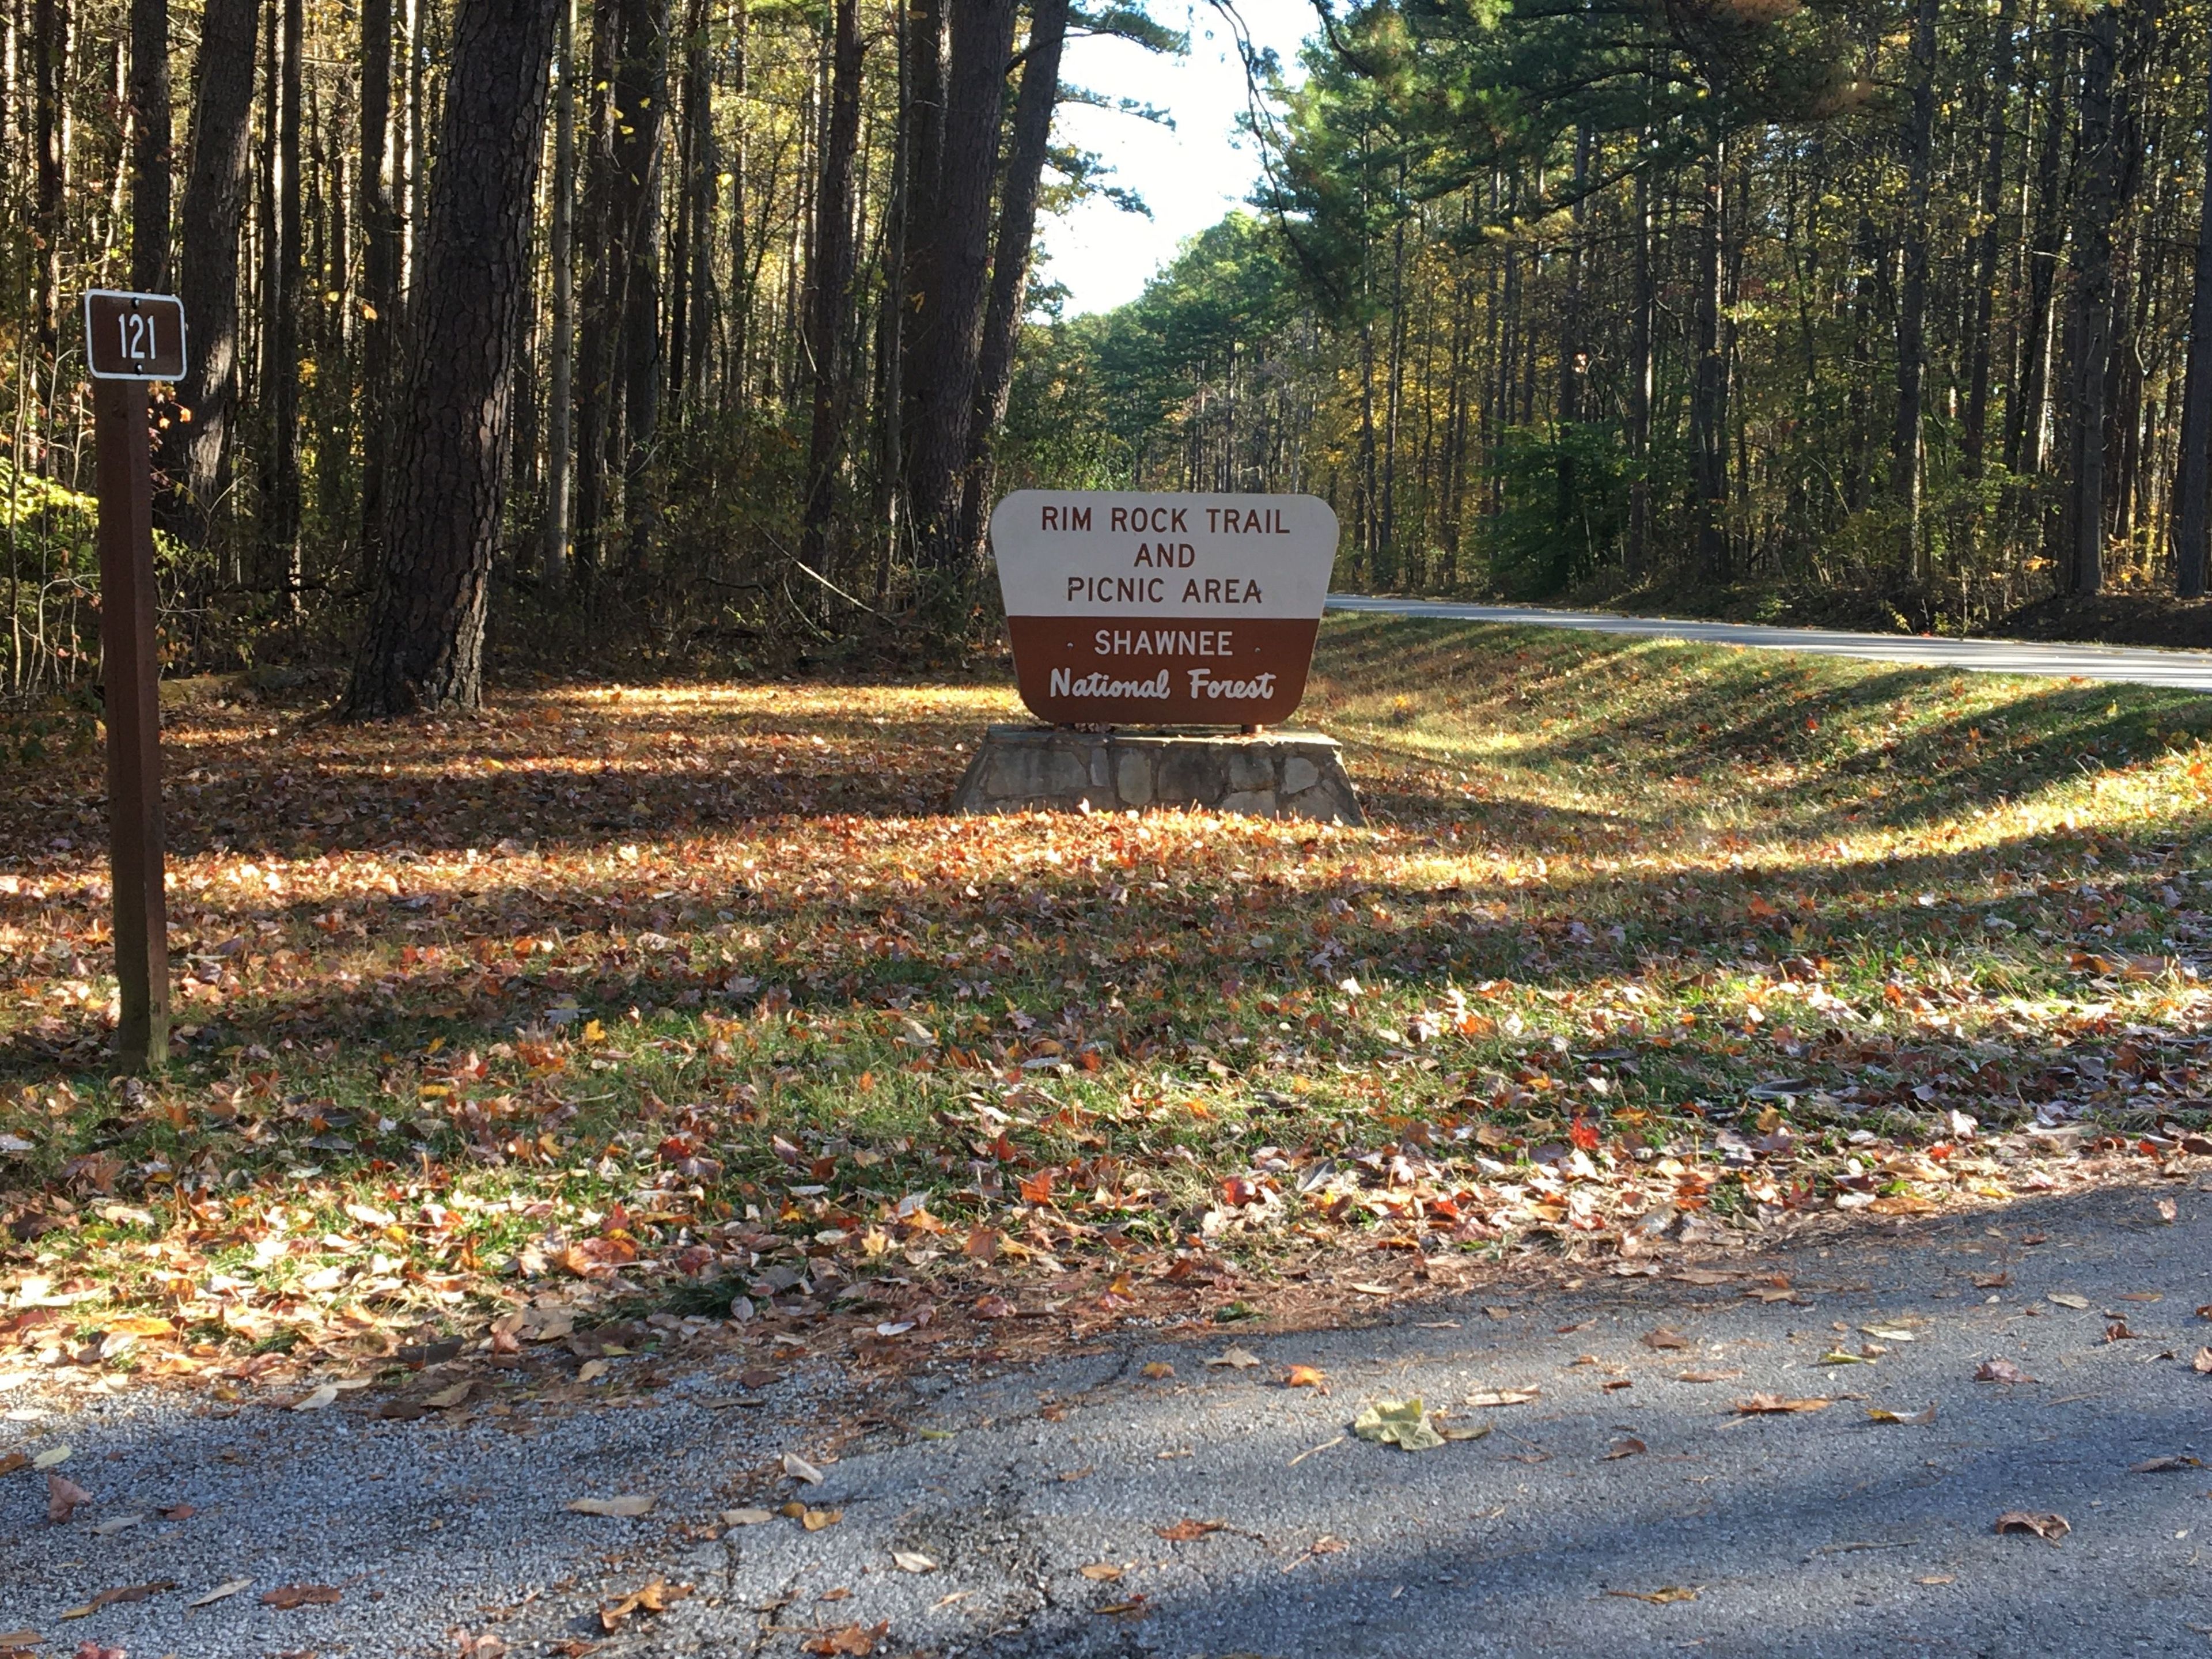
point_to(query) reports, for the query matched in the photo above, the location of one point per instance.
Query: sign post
(131, 339)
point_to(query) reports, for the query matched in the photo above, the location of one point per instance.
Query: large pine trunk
(1708, 393)
(379, 266)
(150, 160)
(1990, 243)
(2193, 472)
(642, 96)
(831, 281)
(195, 451)
(950, 312)
(280, 302)
(2083, 563)
(424, 645)
(1010, 263)
(1912, 311)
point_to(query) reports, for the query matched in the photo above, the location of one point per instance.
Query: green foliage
(1565, 493)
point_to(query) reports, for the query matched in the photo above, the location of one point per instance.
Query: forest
(690, 329)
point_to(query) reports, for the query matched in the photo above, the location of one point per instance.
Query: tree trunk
(50, 73)
(2193, 471)
(602, 291)
(2083, 564)
(1642, 305)
(1009, 264)
(2027, 418)
(424, 645)
(1912, 311)
(280, 303)
(1708, 395)
(195, 449)
(560, 390)
(151, 139)
(641, 97)
(831, 277)
(689, 370)
(950, 317)
(380, 268)
(1990, 244)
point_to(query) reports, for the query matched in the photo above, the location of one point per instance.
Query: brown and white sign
(134, 336)
(1129, 609)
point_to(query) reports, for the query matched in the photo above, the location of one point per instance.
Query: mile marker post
(131, 341)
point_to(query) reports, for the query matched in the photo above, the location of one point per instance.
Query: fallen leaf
(815, 1519)
(2161, 1465)
(1938, 1578)
(1156, 1371)
(2168, 1211)
(315, 1401)
(2142, 1296)
(1760, 1405)
(2204, 1360)
(1709, 1377)
(1888, 1334)
(1487, 1397)
(1659, 1597)
(1996, 1281)
(1100, 1572)
(1627, 1446)
(2067, 1299)
(1911, 1419)
(1663, 1338)
(993, 1307)
(913, 1561)
(1132, 1609)
(285, 1597)
(799, 1469)
(63, 1498)
(2048, 1528)
(1704, 1276)
(16, 1643)
(655, 1597)
(1236, 1358)
(177, 1512)
(856, 1639)
(114, 1524)
(626, 1509)
(592, 1370)
(1188, 1531)
(1844, 1357)
(2002, 1371)
(1381, 1290)
(1304, 1377)
(221, 1592)
(446, 1399)
(13, 1462)
(1402, 1422)
(2118, 1331)
(108, 1598)
(52, 1457)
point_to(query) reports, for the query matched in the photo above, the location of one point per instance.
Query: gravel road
(1622, 1511)
(2185, 670)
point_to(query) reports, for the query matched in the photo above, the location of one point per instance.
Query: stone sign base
(1276, 774)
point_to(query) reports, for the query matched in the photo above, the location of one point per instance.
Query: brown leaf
(1627, 1446)
(1186, 1531)
(2162, 1465)
(1912, 1419)
(1304, 1377)
(626, 1509)
(815, 1520)
(1709, 1377)
(2003, 1371)
(13, 1462)
(2118, 1331)
(1504, 1396)
(1660, 1597)
(1101, 1572)
(1768, 1404)
(856, 1639)
(63, 1498)
(2047, 1527)
(2204, 1360)
(655, 1597)
(993, 1307)
(1663, 1338)
(285, 1597)
(1156, 1371)
(1996, 1281)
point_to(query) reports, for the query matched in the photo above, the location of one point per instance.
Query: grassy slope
(661, 988)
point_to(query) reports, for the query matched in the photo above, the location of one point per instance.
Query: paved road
(1821, 1533)
(2187, 671)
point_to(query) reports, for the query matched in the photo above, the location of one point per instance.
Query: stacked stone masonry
(1281, 775)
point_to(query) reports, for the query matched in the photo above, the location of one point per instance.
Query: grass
(651, 996)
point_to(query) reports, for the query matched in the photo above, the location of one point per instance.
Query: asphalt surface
(1813, 1533)
(2186, 670)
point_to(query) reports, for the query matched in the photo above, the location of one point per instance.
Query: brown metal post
(131, 679)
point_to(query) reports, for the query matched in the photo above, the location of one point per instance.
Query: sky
(1189, 176)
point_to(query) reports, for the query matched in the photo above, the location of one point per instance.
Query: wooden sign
(1163, 609)
(129, 339)
(134, 336)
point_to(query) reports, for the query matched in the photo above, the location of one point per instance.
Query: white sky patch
(1189, 176)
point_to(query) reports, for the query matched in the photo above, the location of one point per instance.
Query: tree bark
(1009, 264)
(50, 71)
(595, 400)
(641, 99)
(950, 315)
(280, 301)
(2083, 564)
(1708, 395)
(194, 448)
(1912, 311)
(2192, 487)
(379, 266)
(1989, 243)
(2027, 418)
(151, 137)
(1642, 306)
(560, 390)
(831, 278)
(424, 645)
